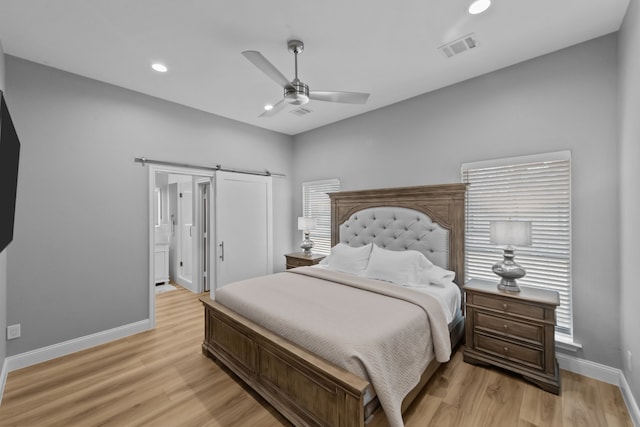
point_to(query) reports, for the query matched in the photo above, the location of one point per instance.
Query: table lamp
(306, 224)
(509, 234)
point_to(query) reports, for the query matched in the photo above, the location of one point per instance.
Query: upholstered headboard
(429, 219)
(397, 229)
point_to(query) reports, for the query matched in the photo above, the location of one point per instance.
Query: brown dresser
(513, 331)
(299, 259)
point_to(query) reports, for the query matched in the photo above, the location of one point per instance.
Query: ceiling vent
(458, 46)
(302, 111)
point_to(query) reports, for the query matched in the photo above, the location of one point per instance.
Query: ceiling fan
(295, 91)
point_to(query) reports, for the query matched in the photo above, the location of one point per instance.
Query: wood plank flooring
(161, 378)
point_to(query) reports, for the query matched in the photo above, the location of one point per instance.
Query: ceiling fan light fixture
(479, 6)
(297, 93)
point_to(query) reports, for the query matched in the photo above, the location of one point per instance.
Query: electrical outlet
(13, 331)
(629, 361)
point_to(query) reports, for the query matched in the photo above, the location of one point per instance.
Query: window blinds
(531, 188)
(316, 204)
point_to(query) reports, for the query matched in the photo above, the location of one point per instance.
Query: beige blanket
(387, 341)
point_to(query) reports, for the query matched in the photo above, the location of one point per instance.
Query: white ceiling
(386, 48)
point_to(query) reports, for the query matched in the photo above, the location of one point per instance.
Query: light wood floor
(161, 378)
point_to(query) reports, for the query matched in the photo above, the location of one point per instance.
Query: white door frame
(202, 264)
(153, 169)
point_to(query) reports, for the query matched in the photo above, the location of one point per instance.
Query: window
(531, 188)
(316, 204)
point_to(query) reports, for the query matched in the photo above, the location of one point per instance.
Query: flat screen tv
(9, 157)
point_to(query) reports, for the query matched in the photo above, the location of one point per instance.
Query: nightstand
(513, 331)
(299, 259)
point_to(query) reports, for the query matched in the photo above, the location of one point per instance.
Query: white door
(174, 234)
(185, 205)
(243, 227)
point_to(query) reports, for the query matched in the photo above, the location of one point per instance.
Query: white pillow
(348, 259)
(400, 267)
(431, 274)
(407, 268)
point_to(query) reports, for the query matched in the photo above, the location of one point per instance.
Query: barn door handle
(221, 251)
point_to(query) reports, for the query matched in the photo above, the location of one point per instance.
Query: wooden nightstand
(514, 331)
(299, 259)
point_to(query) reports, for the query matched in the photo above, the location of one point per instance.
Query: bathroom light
(161, 68)
(268, 107)
(479, 6)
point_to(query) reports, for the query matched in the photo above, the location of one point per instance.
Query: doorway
(182, 227)
(179, 224)
(235, 241)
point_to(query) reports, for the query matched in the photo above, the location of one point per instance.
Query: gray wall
(79, 261)
(629, 195)
(564, 100)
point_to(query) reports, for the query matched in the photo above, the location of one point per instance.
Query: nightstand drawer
(301, 259)
(503, 326)
(507, 306)
(510, 351)
(296, 262)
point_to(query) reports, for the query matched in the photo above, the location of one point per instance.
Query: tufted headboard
(397, 229)
(428, 218)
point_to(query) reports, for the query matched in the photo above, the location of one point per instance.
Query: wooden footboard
(306, 389)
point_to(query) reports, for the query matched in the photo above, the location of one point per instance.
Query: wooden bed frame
(306, 389)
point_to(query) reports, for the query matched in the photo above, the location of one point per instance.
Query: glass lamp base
(508, 285)
(509, 271)
(307, 244)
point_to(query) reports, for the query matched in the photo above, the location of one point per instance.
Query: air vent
(456, 47)
(301, 111)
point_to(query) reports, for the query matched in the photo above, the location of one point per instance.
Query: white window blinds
(531, 188)
(316, 204)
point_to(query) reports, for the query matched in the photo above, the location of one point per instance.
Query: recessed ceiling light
(161, 68)
(479, 6)
(268, 107)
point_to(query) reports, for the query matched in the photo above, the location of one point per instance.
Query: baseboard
(605, 374)
(3, 378)
(631, 403)
(44, 354)
(589, 369)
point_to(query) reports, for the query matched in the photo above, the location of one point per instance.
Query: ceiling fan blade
(266, 67)
(277, 107)
(343, 97)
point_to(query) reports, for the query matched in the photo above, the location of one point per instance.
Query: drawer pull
(504, 306)
(506, 327)
(506, 349)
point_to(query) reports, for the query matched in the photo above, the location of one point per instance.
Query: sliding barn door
(244, 236)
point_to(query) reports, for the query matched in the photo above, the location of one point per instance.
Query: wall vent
(301, 111)
(458, 46)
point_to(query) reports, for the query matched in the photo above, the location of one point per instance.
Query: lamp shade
(515, 233)
(306, 223)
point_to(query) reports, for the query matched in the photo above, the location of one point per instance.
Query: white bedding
(447, 294)
(448, 297)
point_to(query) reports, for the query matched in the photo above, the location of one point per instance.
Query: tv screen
(9, 156)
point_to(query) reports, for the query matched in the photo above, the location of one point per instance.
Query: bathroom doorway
(179, 230)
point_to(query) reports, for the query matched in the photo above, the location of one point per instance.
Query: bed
(298, 379)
